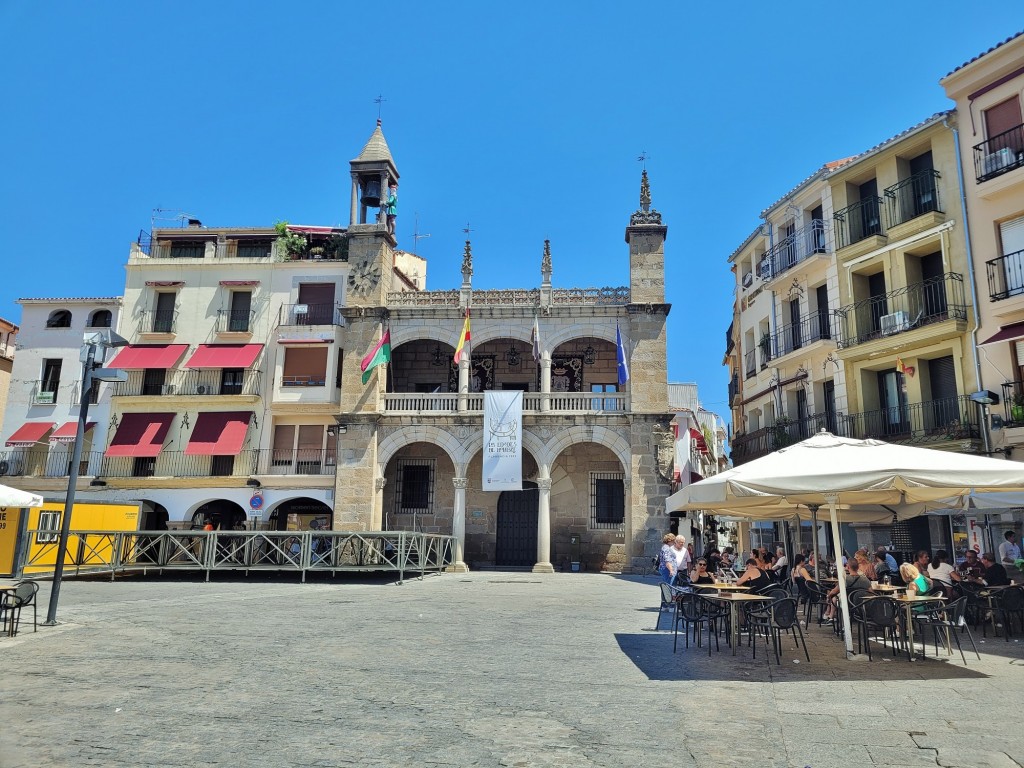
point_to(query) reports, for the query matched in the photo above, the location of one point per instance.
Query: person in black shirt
(993, 574)
(754, 577)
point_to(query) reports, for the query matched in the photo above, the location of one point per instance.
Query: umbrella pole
(843, 605)
(814, 539)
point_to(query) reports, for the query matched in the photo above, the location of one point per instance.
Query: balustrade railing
(930, 301)
(158, 321)
(795, 248)
(912, 197)
(308, 314)
(789, 338)
(999, 154)
(950, 418)
(858, 221)
(448, 402)
(235, 320)
(1005, 276)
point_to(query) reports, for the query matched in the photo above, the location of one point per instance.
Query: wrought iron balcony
(734, 387)
(158, 321)
(309, 314)
(301, 461)
(858, 221)
(1005, 276)
(179, 464)
(913, 306)
(235, 320)
(1013, 403)
(912, 197)
(789, 338)
(202, 382)
(932, 421)
(40, 463)
(94, 393)
(797, 247)
(999, 154)
(784, 432)
(45, 392)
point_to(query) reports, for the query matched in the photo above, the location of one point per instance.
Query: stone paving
(479, 669)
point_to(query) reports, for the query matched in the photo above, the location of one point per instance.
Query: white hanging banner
(503, 440)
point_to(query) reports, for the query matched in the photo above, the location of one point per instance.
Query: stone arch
(401, 334)
(224, 512)
(604, 331)
(531, 443)
(314, 509)
(393, 443)
(609, 438)
(153, 515)
(493, 332)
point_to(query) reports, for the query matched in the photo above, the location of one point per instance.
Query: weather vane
(378, 101)
(643, 157)
(466, 229)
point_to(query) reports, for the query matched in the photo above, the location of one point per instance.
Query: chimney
(194, 224)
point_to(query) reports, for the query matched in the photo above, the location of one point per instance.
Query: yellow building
(905, 292)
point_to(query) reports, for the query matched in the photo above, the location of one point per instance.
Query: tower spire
(645, 214)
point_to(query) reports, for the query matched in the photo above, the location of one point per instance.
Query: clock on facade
(364, 277)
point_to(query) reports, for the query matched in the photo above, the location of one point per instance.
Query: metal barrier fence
(92, 552)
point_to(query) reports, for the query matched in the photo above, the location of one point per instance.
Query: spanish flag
(463, 348)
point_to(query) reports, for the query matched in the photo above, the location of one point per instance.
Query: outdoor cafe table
(728, 587)
(886, 589)
(908, 602)
(733, 599)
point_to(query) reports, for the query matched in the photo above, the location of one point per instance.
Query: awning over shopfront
(698, 438)
(29, 433)
(224, 356)
(137, 356)
(1010, 332)
(65, 433)
(219, 434)
(140, 434)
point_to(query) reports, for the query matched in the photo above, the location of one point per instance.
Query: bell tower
(371, 255)
(646, 237)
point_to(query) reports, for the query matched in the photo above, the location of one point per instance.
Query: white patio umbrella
(12, 497)
(869, 477)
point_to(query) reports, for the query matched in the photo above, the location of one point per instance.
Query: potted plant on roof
(290, 245)
(1017, 407)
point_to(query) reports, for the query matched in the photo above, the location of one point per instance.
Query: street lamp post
(90, 372)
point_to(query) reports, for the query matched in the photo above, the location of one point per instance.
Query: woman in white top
(940, 570)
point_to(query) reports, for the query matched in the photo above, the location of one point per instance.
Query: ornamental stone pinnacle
(545, 262)
(467, 262)
(646, 214)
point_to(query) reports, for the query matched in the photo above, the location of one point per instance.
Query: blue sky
(524, 120)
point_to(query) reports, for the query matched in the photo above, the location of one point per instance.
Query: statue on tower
(391, 206)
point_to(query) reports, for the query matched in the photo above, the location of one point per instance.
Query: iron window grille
(607, 500)
(415, 487)
(48, 521)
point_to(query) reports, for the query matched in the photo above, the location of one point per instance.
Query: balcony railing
(1005, 276)
(734, 387)
(913, 306)
(317, 247)
(946, 419)
(750, 363)
(190, 383)
(45, 392)
(858, 221)
(158, 321)
(235, 320)
(309, 314)
(789, 338)
(797, 247)
(784, 432)
(534, 402)
(999, 154)
(912, 197)
(1013, 403)
(56, 463)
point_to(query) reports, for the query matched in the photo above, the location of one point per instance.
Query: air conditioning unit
(168, 389)
(894, 323)
(46, 397)
(748, 279)
(10, 467)
(203, 389)
(999, 159)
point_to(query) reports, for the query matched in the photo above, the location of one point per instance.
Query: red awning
(239, 282)
(312, 230)
(29, 434)
(148, 356)
(66, 432)
(699, 439)
(219, 434)
(140, 434)
(1010, 332)
(224, 356)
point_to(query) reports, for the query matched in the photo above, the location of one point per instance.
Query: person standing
(681, 557)
(391, 206)
(1009, 551)
(667, 559)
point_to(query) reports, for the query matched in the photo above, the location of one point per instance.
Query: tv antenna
(180, 217)
(416, 236)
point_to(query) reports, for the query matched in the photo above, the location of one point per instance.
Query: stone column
(377, 515)
(545, 381)
(459, 526)
(354, 208)
(544, 527)
(463, 384)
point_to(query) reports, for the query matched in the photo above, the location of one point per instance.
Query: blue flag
(620, 354)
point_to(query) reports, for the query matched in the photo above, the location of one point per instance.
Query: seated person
(854, 581)
(941, 571)
(864, 565)
(882, 568)
(728, 557)
(970, 567)
(916, 583)
(889, 559)
(699, 574)
(714, 560)
(754, 577)
(993, 574)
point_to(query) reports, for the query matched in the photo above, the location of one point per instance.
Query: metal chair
(691, 613)
(668, 602)
(950, 618)
(878, 613)
(784, 617)
(1009, 603)
(23, 595)
(817, 597)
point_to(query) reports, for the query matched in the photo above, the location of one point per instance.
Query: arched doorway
(154, 516)
(516, 539)
(302, 514)
(225, 515)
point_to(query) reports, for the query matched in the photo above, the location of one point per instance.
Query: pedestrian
(681, 561)
(208, 524)
(666, 559)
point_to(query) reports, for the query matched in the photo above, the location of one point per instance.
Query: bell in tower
(372, 173)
